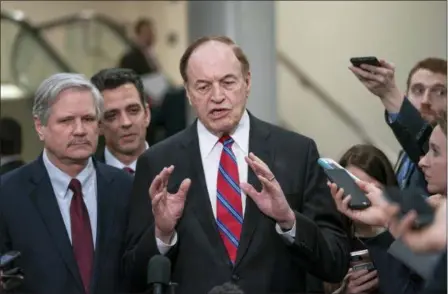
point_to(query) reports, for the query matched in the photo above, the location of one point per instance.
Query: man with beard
(410, 116)
(126, 117)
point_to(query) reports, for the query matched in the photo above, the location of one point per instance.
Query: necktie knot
(129, 170)
(226, 140)
(75, 186)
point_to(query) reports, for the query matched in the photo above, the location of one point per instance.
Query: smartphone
(8, 257)
(344, 179)
(411, 199)
(370, 60)
(360, 260)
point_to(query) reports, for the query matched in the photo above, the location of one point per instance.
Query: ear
(147, 115)
(187, 92)
(248, 83)
(39, 127)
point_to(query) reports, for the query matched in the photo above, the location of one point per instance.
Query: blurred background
(299, 53)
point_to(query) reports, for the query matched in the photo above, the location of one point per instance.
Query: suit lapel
(105, 213)
(198, 196)
(45, 201)
(257, 145)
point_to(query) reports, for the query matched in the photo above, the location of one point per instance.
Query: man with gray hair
(65, 212)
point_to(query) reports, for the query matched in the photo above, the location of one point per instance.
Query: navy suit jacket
(31, 222)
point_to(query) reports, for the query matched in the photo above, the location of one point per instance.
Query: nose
(217, 93)
(79, 128)
(422, 162)
(125, 120)
(426, 97)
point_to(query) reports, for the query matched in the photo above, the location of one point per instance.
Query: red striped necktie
(229, 212)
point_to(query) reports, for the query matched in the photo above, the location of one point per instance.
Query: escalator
(26, 58)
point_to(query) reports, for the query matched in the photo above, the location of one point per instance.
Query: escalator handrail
(26, 26)
(88, 16)
(329, 101)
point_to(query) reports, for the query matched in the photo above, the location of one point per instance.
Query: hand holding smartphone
(344, 179)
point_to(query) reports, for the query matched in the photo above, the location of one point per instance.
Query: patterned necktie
(229, 210)
(403, 171)
(129, 170)
(82, 241)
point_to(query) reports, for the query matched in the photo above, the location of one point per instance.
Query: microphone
(158, 274)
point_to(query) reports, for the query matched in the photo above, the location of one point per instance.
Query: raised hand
(378, 214)
(167, 208)
(270, 200)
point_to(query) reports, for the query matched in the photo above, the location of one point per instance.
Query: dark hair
(142, 22)
(245, 66)
(433, 64)
(10, 136)
(112, 78)
(372, 161)
(226, 288)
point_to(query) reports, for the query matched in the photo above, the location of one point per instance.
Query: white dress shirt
(60, 181)
(211, 154)
(111, 160)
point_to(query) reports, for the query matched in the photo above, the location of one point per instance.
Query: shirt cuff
(163, 247)
(392, 117)
(288, 235)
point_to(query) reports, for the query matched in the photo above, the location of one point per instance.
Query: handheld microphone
(159, 274)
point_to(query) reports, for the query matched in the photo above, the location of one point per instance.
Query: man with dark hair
(412, 115)
(126, 117)
(10, 145)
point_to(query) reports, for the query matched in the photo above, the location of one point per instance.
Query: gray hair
(49, 90)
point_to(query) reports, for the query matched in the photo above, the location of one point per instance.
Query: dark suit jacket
(10, 166)
(135, 59)
(31, 222)
(412, 132)
(265, 263)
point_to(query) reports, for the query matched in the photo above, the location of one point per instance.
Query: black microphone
(158, 274)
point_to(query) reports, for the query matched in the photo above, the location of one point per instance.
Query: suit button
(235, 278)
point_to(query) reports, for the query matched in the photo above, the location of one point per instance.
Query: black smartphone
(345, 180)
(360, 260)
(370, 60)
(411, 199)
(8, 257)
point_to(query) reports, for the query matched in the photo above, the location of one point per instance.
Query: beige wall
(321, 36)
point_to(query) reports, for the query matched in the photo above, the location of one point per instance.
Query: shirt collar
(207, 140)
(110, 159)
(60, 180)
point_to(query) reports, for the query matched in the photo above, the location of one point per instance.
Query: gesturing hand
(271, 200)
(166, 207)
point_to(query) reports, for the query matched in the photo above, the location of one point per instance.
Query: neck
(127, 159)
(68, 166)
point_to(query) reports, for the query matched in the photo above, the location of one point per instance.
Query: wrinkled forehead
(213, 60)
(428, 78)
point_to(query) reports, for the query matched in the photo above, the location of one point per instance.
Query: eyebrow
(434, 146)
(227, 76)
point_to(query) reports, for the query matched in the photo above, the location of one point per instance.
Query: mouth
(128, 137)
(81, 143)
(219, 113)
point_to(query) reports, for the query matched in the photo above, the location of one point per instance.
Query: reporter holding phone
(384, 214)
(369, 164)
(410, 115)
